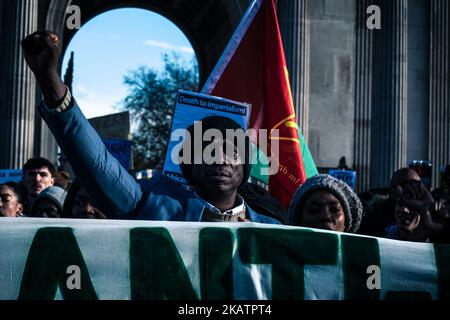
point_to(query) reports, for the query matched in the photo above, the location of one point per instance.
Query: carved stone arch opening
(208, 24)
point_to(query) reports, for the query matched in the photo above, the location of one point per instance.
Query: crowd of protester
(102, 188)
(406, 210)
(45, 192)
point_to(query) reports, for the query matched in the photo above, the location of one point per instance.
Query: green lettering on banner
(287, 251)
(156, 268)
(216, 263)
(442, 254)
(358, 253)
(53, 250)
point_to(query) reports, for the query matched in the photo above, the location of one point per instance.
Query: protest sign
(349, 177)
(113, 126)
(119, 259)
(115, 131)
(191, 107)
(10, 175)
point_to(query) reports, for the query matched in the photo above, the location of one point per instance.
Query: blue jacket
(113, 189)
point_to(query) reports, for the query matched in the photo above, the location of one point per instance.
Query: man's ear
(53, 181)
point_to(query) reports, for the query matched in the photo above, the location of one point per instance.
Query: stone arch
(208, 24)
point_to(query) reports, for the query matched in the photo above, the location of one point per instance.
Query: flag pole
(232, 46)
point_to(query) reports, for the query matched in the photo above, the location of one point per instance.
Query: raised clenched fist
(42, 52)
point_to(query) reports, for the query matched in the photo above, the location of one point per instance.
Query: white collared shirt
(212, 213)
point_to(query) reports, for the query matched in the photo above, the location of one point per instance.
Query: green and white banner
(115, 259)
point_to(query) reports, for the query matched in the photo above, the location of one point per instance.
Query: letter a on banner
(52, 252)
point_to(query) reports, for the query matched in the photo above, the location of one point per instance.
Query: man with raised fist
(114, 191)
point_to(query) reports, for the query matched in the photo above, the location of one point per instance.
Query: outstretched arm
(113, 189)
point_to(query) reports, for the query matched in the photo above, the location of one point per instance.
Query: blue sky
(113, 43)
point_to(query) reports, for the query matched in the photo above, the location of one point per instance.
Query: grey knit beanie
(56, 194)
(349, 200)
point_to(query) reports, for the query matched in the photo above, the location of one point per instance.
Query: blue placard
(10, 175)
(191, 107)
(349, 177)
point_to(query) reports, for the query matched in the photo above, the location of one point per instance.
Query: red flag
(253, 69)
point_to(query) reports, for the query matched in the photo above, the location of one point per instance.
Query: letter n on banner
(216, 264)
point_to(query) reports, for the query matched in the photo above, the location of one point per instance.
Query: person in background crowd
(49, 203)
(214, 194)
(12, 197)
(324, 202)
(342, 164)
(261, 201)
(379, 209)
(62, 179)
(441, 195)
(414, 220)
(79, 205)
(38, 174)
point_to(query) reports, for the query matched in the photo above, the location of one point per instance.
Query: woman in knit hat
(324, 202)
(49, 203)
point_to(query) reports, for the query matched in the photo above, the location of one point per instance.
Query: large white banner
(115, 259)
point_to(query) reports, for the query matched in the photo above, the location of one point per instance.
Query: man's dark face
(224, 176)
(217, 177)
(83, 207)
(46, 208)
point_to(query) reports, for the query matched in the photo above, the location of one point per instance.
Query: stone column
(45, 144)
(1, 14)
(17, 84)
(363, 96)
(439, 112)
(294, 28)
(388, 146)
